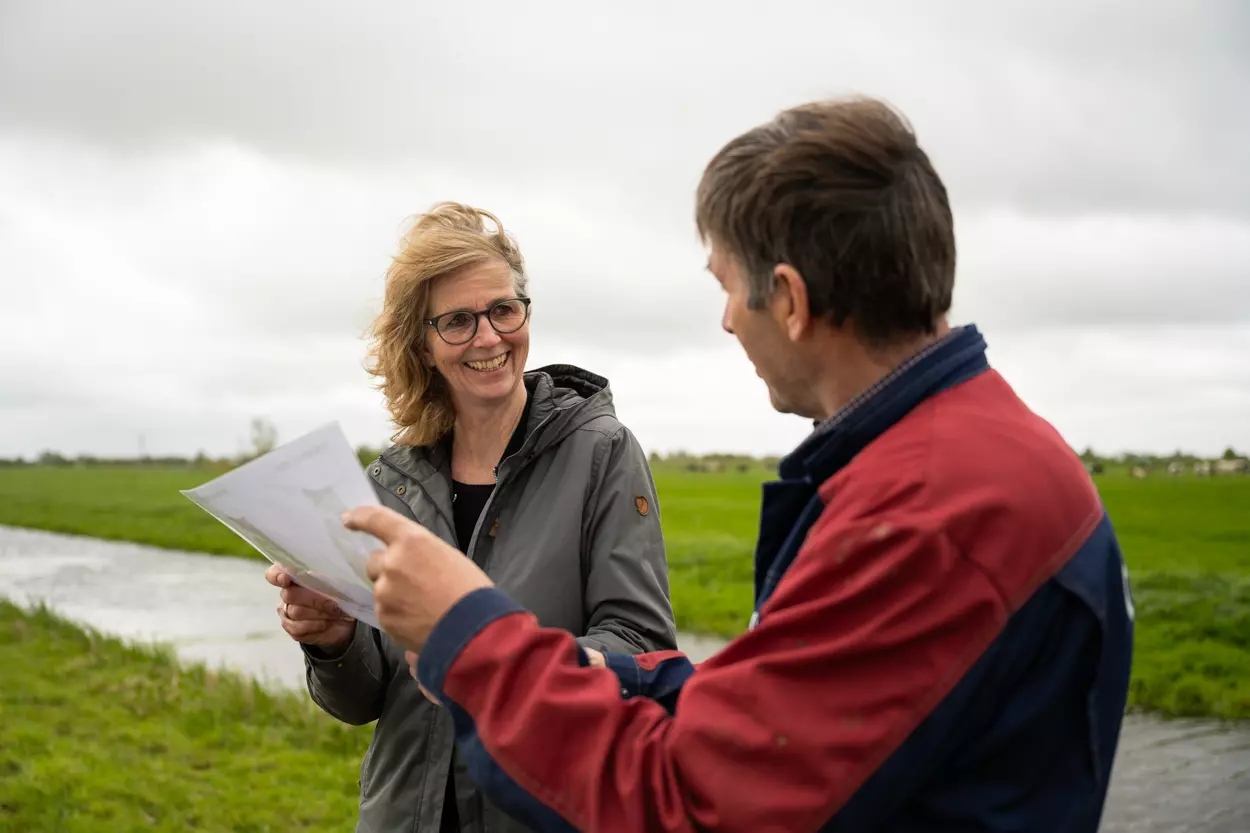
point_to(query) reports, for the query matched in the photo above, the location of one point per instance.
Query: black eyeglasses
(460, 326)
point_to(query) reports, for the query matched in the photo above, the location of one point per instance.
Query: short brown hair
(448, 239)
(841, 191)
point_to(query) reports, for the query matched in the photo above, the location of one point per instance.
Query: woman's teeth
(489, 364)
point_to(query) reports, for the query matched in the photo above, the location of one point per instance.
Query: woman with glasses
(529, 473)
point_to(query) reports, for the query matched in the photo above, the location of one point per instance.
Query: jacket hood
(564, 398)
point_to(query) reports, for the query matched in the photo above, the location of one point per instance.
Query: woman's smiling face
(487, 368)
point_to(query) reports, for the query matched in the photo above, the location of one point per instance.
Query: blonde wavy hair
(450, 238)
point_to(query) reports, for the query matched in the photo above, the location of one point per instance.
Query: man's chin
(790, 406)
(780, 404)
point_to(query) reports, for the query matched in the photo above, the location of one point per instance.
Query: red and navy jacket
(942, 641)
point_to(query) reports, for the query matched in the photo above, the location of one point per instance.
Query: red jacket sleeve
(872, 625)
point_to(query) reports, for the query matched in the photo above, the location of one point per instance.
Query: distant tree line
(264, 437)
(199, 461)
(712, 462)
(1148, 461)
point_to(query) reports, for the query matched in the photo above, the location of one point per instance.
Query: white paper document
(288, 504)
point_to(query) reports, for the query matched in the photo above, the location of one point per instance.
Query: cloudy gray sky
(197, 203)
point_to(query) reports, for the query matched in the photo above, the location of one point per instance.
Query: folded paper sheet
(288, 504)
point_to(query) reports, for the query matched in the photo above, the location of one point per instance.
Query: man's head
(831, 234)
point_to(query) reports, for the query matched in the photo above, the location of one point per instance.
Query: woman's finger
(305, 628)
(304, 597)
(302, 613)
(277, 576)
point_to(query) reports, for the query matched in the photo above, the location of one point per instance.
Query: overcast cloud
(197, 204)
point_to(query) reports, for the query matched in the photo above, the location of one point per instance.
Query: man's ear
(790, 303)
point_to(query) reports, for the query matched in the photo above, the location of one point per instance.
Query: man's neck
(858, 368)
(482, 433)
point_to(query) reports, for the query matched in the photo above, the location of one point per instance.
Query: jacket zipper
(477, 527)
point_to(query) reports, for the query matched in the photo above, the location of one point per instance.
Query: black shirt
(467, 502)
(469, 499)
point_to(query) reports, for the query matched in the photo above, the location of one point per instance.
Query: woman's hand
(410, 657)
(309, 617)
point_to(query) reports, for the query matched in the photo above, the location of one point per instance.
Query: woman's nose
(486, 335)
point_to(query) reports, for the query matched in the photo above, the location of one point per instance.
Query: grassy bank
(98, 736)
(1187, 541)
(117, 503)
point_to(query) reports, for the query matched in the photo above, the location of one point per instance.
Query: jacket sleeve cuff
(356, 654)
(456, 629)
(625, 667)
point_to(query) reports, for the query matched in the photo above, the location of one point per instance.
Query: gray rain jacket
(571, 532)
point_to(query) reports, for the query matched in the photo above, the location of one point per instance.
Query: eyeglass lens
(505, 317)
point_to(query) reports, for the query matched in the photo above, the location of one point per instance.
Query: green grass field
(1187, 541)
(98, 736)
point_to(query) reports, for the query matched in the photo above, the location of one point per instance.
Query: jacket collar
(791, 504)
(955, 358)
(560, 399)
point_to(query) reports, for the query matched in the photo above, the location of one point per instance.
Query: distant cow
(1231, 467)
(1202, 468)
(1175, 467)
(1138, 472)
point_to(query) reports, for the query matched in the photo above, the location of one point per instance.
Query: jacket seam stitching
(610, 431)
(390, 464)
(601, 455)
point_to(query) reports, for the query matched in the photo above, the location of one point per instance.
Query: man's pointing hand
(417, 578)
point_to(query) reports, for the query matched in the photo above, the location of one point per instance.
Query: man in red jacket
(943, 628)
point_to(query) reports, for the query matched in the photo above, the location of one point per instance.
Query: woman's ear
(425, 358)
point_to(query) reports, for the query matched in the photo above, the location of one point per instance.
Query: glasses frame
(477, 315)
